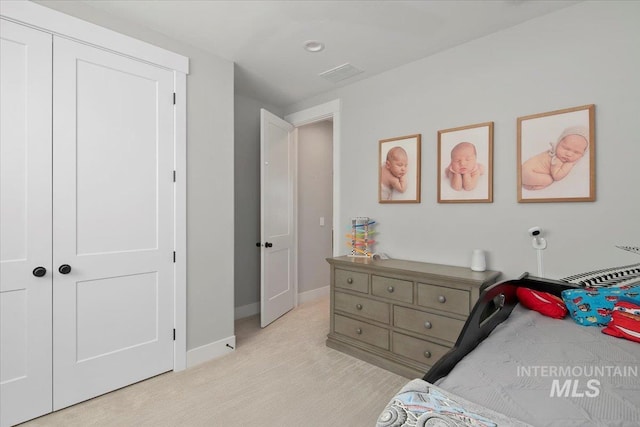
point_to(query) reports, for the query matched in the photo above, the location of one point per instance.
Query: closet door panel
(116, 160)
(25, 223)
(112, 220)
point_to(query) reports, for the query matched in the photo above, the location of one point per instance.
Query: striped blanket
(616, 276)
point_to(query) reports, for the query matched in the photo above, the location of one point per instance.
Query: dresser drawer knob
(442, 299)
(390, 289)
(427, 354)
(359, 306)
(358, 331)
(349, 280)
(427, 324)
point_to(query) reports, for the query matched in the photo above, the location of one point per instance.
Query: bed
(513, 366)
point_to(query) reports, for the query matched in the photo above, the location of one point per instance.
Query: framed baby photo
(465, 164)
(556, 156)
(399, 170)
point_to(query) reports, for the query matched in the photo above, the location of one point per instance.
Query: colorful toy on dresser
(360, 239)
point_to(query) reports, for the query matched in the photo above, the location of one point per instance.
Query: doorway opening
(279, 289)
(329, 112)
(315, 208)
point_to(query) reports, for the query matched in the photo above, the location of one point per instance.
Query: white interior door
(112, 221)
(25, 223)
(277, 217)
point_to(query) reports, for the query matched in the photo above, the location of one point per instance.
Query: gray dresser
(400, 315)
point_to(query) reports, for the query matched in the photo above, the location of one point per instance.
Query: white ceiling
(265, 38)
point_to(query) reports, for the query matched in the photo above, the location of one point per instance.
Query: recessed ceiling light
(313, 46)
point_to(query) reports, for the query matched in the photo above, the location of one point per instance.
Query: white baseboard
(247, 310)
(313, 294)
(252, 309)
(210, 351)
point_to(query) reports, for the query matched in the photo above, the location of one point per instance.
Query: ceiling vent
(340, 73)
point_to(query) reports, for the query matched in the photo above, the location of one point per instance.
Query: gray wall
(210, 192)
(584, 54)
(315, 192)
(580, 55)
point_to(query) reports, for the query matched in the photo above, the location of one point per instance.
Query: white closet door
(112, 221)
(25, 223)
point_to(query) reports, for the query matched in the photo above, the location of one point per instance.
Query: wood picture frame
(399, 169)
(556, 156)
(465, 164)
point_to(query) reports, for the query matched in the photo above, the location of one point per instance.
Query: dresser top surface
(415, 267)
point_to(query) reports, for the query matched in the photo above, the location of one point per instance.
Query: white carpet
(280, 376)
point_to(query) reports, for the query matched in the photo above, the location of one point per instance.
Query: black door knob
(268, 245)
(64, 269)
(39, 271)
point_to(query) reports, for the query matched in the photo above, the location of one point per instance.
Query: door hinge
(174, 334)
(174, 256)
(174, 98)
(174, 176)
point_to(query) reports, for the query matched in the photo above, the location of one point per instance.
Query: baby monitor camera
(535, 231)
(538, 241)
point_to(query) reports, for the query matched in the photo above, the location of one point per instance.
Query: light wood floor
(280, 376)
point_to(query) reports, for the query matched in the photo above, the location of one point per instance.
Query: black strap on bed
(493, 306)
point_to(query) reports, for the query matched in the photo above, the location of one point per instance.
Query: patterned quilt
(420, 404)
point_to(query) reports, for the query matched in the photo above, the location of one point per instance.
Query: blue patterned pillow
(593, 306)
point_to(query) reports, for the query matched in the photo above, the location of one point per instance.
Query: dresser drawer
(394, 289)
(428, 324)
(352, 280)
(362, 331)
(419, 350)
(361, 306)
(442, 298)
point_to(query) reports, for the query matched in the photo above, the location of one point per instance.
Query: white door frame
(54, 22)
(320, 112)
(180, 218)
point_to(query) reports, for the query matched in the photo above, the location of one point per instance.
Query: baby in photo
(464, 170)
(554, 164)
(393, 173)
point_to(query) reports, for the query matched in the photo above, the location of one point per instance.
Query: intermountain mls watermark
(576, 380)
